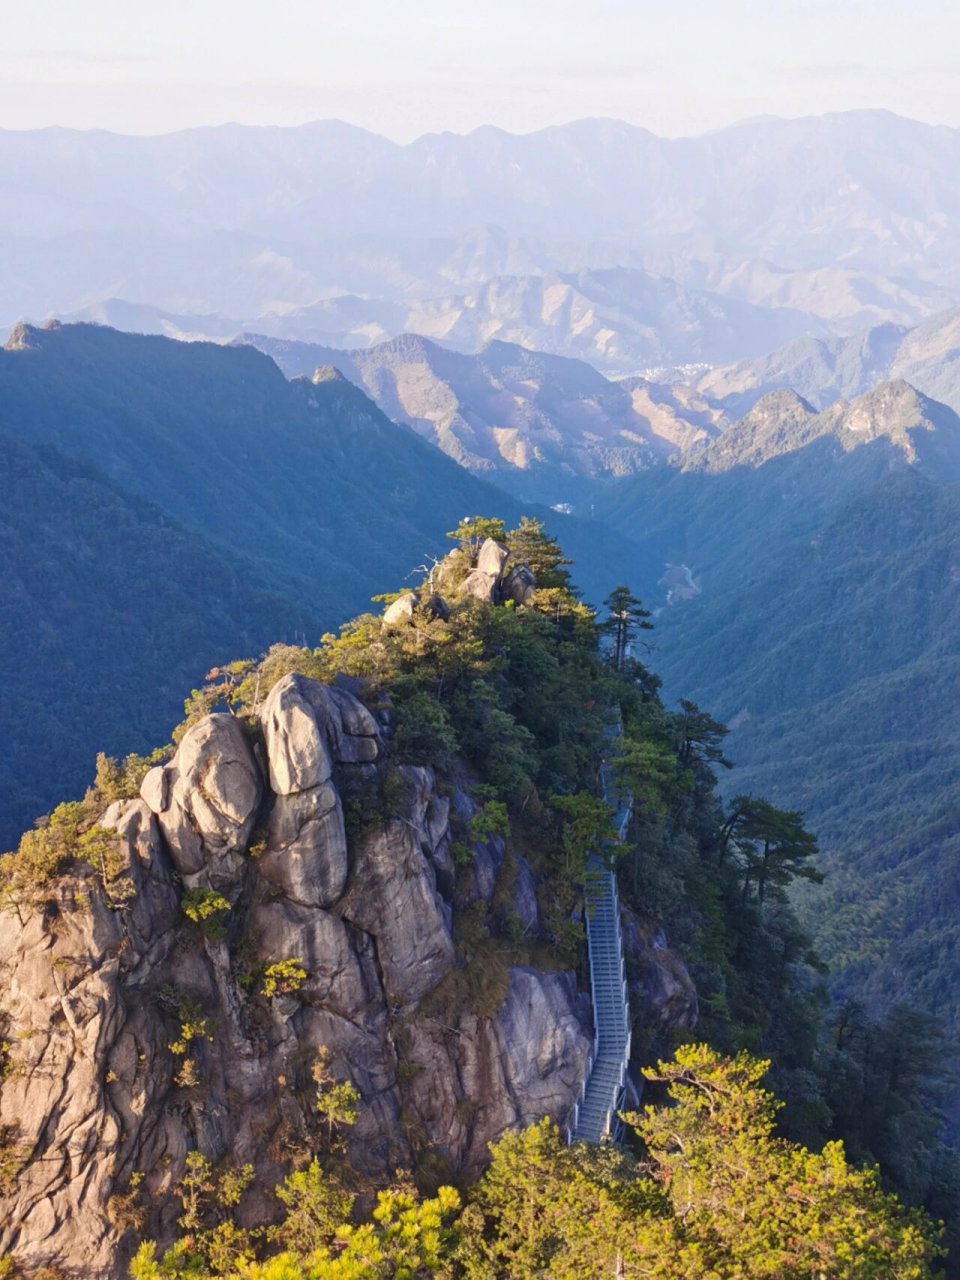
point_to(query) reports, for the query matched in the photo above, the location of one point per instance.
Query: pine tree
(627, 617)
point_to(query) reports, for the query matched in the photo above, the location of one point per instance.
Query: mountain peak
(784, 400)
(890, 408)
(778, 423)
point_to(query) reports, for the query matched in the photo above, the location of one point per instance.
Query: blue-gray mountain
(825, 369)
(824, 549)
(738, 230)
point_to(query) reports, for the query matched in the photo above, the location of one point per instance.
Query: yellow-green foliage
(337, 1101)
(282, 978)
(193, 1026)
(121, 779)
(205, 907)
(67, 839)
(718, 1197)
(759, 1206)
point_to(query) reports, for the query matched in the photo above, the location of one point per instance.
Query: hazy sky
(675, 66)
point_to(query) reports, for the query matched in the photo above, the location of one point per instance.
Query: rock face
(206, 800)
(662, 995)
(520, 585)
(491, 558)
(483, 582)
(138, 1035)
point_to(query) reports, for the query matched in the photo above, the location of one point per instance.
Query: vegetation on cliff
(503, 681)
(715, 1193)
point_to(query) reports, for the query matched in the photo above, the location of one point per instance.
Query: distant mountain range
(170, 505)
(327, 233)
(621, 320)
(540, 424)
(825, 369)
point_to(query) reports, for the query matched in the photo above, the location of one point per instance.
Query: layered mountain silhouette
(621, 320)
(340, 236)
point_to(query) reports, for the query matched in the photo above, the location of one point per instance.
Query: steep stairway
(595, 1117)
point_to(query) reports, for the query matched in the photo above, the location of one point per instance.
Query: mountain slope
(777, 477)
(108, 612)
(537, 423)
(311, 483)
(825, 369)
(819, 617)
(839, 666)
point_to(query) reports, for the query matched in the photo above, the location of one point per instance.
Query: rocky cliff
(135, 1034)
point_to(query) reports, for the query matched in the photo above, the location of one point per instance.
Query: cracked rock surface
(138, 1035)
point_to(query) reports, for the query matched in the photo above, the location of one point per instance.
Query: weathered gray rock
(662, 993)
(341, 977)
(436, 607)
(524, 897)
(491, 558)
(154, 909)
(480, 585)
(307, 726)
(520, 585)
(393, 895)
(298, 746)
(93, 998)
(306, 855)
(358, 740)
(401, 610)
(206, 801)
(511, 1070)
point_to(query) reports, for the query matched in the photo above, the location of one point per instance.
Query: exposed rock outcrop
(401, 610)
(520, 585)
(491, 558)
(483, 581)
(139, 1035)
(487, 580)
(662, 995)
(206, 801)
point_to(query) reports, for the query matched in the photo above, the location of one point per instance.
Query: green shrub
(205, 907)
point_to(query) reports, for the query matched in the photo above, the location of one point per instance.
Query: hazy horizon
(520, 68)
(766, 117)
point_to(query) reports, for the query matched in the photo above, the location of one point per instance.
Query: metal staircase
(595, 1115)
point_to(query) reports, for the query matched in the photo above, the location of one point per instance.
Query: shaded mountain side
(312, 484)
(777, 477)
(824, 369)
(536, 423)
(838, 664)
(109, 611)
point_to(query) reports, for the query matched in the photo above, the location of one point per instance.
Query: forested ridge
(170, 501)
(514, 681)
